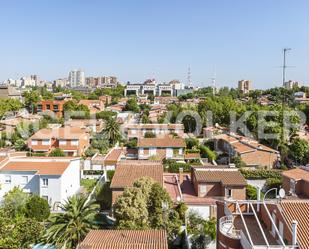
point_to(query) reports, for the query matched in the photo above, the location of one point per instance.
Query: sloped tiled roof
(66, 132)
(226, 177)
(297, 174)
(155, 126)
(161, 142)
(128, 171)
(113, 156)
(298, 211)
(125, 239)
(41, 168)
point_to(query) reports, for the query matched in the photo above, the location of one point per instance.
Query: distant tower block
(189, 77)
(244, 86)
(213, 82)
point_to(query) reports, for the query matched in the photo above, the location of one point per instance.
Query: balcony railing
(226, 225)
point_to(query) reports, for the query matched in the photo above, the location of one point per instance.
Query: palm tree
(112, 131)
(69, 228)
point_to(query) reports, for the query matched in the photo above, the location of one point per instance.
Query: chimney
(294, 233)
(180, 176)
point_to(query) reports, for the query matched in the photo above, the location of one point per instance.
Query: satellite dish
(281, 193)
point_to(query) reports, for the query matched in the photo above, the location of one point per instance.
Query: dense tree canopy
(147, 205)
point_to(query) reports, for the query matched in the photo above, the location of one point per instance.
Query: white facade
(77, 78)
(54, 188)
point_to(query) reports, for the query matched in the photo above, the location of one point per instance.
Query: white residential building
(77, 78)
(54, 179)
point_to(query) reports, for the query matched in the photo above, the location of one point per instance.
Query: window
(203, 189)
(44, 182)
(55, 107)
(34, 142)
(24, 180)
(74, 142)
(228, 192)
(45, 197)
(46, 142)
(48, 107)
(62, 142)
(7, 179)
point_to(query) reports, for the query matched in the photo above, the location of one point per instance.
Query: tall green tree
(112, 131)
(299, 151)
(132, 105)
(37, 208)
(69, 228)
(13, 203)
(31, 99)
(147, 205)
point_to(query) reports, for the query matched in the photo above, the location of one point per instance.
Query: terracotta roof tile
(161, 142)
(125, 239)
(113, 156)
(128, 171)
(226, 177)
(192, 155)
(299, 211)
(66, 132)
(41, 168)
(297, 174)
(155, 126)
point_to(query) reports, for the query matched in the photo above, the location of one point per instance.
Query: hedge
(261, 174)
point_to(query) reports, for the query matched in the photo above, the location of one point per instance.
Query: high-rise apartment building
(291, 84)
(77, 78)
(244, 86)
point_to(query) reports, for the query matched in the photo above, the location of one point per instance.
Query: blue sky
(139, 39)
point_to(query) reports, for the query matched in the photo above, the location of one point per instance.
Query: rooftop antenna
(285, 50)
(189, 77)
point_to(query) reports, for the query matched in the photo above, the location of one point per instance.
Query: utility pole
(285, 50)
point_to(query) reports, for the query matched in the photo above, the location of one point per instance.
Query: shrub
(239, 163)
(260, 174)
(191, 142)
(273, 183)
(206, 152)
(37, 208)
(174, 167)
(110, 174)
(88, 184)
(251, 192)
(149, 134)
(104, 195)
(57, 153)
(131, 144)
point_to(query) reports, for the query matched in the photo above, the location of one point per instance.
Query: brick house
(167, 147)
(200, 189)
(107, 100)
(128, 171)
(160, 130)
(211, 182)
(252, 153)
(94, 106)
(72, 140)
(268, 224)
(55, 106)
(296, 182)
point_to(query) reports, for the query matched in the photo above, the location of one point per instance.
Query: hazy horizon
(138, 40)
